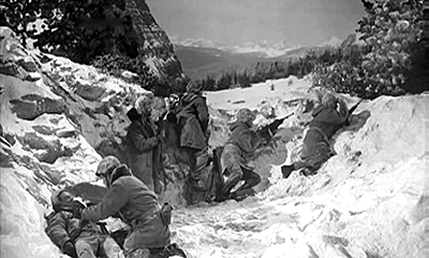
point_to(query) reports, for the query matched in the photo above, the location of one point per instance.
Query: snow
(22, 232)
(234, 99)
(370, 200)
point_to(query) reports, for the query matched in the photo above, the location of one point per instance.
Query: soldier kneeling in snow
(328, 118)
(138, 207)
(236, 155)
(75, 237)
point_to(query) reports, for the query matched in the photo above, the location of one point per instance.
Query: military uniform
(237, 153)
(193, 121)
(137, 206)
(328, 118)
(143, 150)
(68, 232)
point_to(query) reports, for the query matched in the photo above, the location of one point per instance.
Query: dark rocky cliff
(153, 42)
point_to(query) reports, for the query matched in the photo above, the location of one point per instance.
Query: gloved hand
(77, 211)
(69, 249)
(159, 137)
(153, 141)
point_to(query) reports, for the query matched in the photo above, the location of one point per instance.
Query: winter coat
(143, 149)
(329, 120)
(193, 120)
(240, 147)
(138, 207)
(62, 227)
(325, 123)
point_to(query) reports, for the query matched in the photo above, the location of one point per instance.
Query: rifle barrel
(353, 108)
(276, 123)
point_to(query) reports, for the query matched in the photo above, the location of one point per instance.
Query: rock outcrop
(154, 43)
(57, 117)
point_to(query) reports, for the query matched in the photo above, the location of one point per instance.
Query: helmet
(62, 199)
(329, 100)
(107, 165)
(194, 87)
(245, 115)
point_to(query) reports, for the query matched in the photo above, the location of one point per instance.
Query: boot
(287, 170)
(308, 171)
(242, 194)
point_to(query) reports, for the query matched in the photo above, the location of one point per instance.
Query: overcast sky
(298, 22)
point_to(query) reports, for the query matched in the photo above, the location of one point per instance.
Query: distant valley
(200, 61)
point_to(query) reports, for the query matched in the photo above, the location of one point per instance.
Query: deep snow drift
(370, 200)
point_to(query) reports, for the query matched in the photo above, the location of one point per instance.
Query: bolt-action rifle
(351, 110)
(269, 130)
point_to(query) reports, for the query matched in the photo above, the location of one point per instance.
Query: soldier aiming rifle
(269, 130)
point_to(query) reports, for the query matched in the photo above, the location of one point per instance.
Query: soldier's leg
(86, 246)
(137, 253)
(297, 165)
(158, 173)
(112, 249)
(144, 174)
(203, 159)
(235, 174)
(132, 249)
(287, 170)
(148, 180)
(251, 179)
(313, 162)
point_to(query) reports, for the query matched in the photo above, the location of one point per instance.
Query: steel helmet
(245, 115)
(329, 100)
(107, 165)
(61, 203)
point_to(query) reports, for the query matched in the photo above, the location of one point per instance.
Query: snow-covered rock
(50, 131)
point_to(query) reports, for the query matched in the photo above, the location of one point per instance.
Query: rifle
(270, 130)
(351, 110)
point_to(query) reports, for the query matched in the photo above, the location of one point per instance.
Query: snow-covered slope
(370, 200)
(54, 113)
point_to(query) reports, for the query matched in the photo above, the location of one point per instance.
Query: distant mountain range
(200, 57)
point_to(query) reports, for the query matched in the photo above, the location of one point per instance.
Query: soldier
(236, 154)
(328, 118)
(137, 206)
(193, 121)
(143, 144)
(74, 237)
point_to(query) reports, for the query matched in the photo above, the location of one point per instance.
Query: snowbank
(370, 200)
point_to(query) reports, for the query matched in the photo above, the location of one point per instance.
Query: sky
(297, 22)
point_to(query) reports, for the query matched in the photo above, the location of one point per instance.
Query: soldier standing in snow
(328, 118)
(193, 121)
(236, 154)
(143, 144)
(72, 236)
